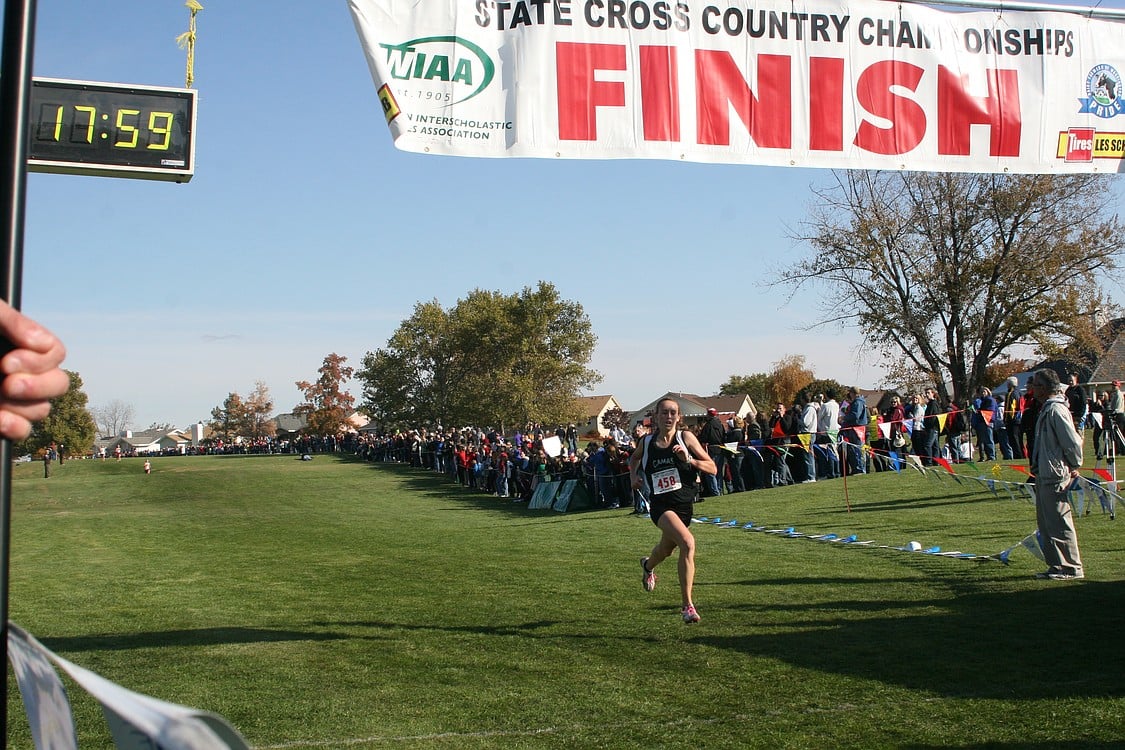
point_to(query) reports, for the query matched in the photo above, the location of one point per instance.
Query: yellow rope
(186, 41)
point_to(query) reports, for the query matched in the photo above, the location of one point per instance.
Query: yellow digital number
(165, 129)
(58, 122)
(92, 112)
(129, 130)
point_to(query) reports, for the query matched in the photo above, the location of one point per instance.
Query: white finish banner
(872, 85)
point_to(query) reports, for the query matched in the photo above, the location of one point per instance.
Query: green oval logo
(444, 60)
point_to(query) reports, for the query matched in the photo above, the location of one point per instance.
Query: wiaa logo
(1104, 96)
(454, 68)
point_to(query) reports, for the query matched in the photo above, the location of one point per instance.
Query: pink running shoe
(690, 615)
(648, 578)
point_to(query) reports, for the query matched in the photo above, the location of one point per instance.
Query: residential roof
(694, 405)
(1111, 365)
(290, 422)
(1091, 368)
(591, 406)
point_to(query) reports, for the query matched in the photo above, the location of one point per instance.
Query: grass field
(339, 604)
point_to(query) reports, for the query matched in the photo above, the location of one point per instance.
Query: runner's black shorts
(658, 507)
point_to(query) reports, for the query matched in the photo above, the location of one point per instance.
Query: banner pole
(15, 87)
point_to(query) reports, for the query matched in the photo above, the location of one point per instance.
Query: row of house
(142, 442)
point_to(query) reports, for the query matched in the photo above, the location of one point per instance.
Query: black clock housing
(111, 130)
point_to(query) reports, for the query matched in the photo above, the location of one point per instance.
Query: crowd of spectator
(817, 438)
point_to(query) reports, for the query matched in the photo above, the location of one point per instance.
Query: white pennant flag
(1031, 543)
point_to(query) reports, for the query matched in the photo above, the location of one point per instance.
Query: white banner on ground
(137, 722)
(809, 83)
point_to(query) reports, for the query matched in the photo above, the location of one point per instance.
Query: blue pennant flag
(1079, 494)
(1104, 498)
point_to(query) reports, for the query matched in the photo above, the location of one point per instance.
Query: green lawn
(333, 604)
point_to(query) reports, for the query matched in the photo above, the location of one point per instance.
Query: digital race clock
(111, 130)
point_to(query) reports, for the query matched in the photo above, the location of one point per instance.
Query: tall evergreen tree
(69, 424)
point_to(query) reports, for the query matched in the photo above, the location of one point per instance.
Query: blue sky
(304, 232)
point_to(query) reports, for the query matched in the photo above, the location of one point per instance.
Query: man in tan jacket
(1056, 459)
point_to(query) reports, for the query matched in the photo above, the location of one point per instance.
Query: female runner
(668, 462)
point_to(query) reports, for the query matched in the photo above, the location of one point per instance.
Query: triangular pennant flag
(941, 418)
(1031, 543)
(973, 466)
(1100, 494)
(1020, 469)
(895, 461)
(806, 440)
(1097, 417)
(1104, 474)
(1077, 497)
(885, 430)
(778, 431)
(1028, 490)
(908, 426)
(1109, 499)
(944, 464)
(986, 415)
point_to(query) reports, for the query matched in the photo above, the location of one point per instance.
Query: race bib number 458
(667, 480)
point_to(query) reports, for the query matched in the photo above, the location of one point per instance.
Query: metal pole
(1113, 14)
(15, 87)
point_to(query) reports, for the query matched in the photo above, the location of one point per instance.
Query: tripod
(1111, 434)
